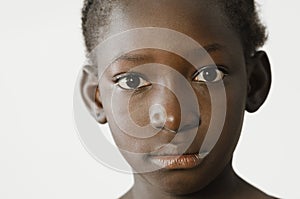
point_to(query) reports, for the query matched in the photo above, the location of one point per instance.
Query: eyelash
(221, 71)
(133, 78)
(118, 78)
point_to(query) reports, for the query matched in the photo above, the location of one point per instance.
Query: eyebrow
(213, 47)
(136, 57)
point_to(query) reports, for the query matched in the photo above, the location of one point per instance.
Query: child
(184, 114)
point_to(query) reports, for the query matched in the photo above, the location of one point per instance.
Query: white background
(41, 52)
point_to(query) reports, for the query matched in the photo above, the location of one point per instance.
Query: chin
(178, 182)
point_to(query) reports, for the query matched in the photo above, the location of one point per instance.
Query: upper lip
(181, 144)
(184, 128)
(171, 150)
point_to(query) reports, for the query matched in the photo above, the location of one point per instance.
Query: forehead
(170, 13)
(199, 19)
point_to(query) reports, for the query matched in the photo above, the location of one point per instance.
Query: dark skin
(247, 84)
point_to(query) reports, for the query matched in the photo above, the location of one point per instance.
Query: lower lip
(177, 162)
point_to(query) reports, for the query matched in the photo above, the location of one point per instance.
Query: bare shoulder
(127, 195)
(260, 195)
(250, 192)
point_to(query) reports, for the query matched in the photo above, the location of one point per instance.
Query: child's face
(205, 24)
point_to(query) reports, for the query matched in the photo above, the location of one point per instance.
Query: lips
(184, 161)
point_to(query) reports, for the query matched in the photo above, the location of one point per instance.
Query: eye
(209, 74)
(131, 81)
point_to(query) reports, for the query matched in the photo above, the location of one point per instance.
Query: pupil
(210, 74)
(133, 81)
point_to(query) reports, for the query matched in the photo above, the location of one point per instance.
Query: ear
(259, 80)
(90, 93)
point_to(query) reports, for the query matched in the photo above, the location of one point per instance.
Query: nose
(171, 115)
(161, 118)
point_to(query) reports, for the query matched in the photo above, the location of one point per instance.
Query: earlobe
(259, 81)
(90, 93)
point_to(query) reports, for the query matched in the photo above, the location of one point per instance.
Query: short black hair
(242, 14)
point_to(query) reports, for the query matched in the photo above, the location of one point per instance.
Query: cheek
(138, 106)
(222, 107)
(205, 107)
(236, 93)
(123, 127)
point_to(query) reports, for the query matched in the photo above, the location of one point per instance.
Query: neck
(223, 185)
